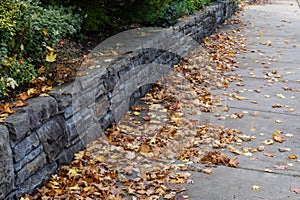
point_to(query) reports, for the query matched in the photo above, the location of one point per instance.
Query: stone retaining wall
(39, 138)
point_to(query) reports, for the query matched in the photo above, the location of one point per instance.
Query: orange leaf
(5, 108)
(19, 103)
(293, 156)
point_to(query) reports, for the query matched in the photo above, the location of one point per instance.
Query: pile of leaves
(150, 153)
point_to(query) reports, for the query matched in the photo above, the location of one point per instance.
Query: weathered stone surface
(18, 125)
(40, 109)
(25, 146)
(92, 133)
(6, 164)
(30, 168)
(101, 108)
(28, 158)
(71, 130)
(106, 121)
(84, 119)
(52, 137)
(36, 180)
(66, 156)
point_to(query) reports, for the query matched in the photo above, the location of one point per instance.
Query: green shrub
(26, 29)
(14, 73)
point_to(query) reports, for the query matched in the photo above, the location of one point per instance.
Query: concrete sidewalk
(271, 76)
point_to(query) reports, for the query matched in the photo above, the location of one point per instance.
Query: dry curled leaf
(278, 138)
(296, 190)
(268, 142)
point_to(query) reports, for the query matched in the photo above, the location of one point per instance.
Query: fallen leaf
(292, 156)
(235, 151)
(261, 148)
(289, 135)
(130, 155)
(189, 181)
(236, 115)
(296, 190)
(279, 139)
(268, 170)
(208, 171)
(284, 149)
(280, 96)
(51, 57)
(268, 142)
(6, 109)
(269, 154)
(146, 118)
(277, 105)
(256, 187)
(280, 167)
(19, 103)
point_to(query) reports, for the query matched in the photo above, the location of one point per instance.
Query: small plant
(27, 29)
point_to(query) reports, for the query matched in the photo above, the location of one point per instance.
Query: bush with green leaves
(104, 14)
(14, 73)
(26, 29)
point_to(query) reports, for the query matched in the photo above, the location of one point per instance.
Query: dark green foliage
(26, 29)
(100, 14)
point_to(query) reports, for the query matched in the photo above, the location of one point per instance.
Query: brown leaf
(280, 167)
(146, 118)
(284, 149)
(19, 103)
(278, 138)
(269, 154)
(233, 162)
(296, 190)
(6, 109)
(208, 171)
(261, 148)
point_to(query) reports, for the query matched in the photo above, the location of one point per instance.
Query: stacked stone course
(39, 138)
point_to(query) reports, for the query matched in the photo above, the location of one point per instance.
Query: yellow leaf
(136, 113)
(268, 142)
(115, 156)
(51, 57)
(255, 187)
(49, 48)
(76, 187)
(41, 70)
(31, 91)
(293, 156)
(45, 32)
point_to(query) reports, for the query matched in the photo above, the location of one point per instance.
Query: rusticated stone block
(66, 156)
(28, 158)
(25, 146)
(36, 180)
(6, 164)
(92, 133)
(40, 109)
(18, 125)
(52, 137)
(31, 168)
